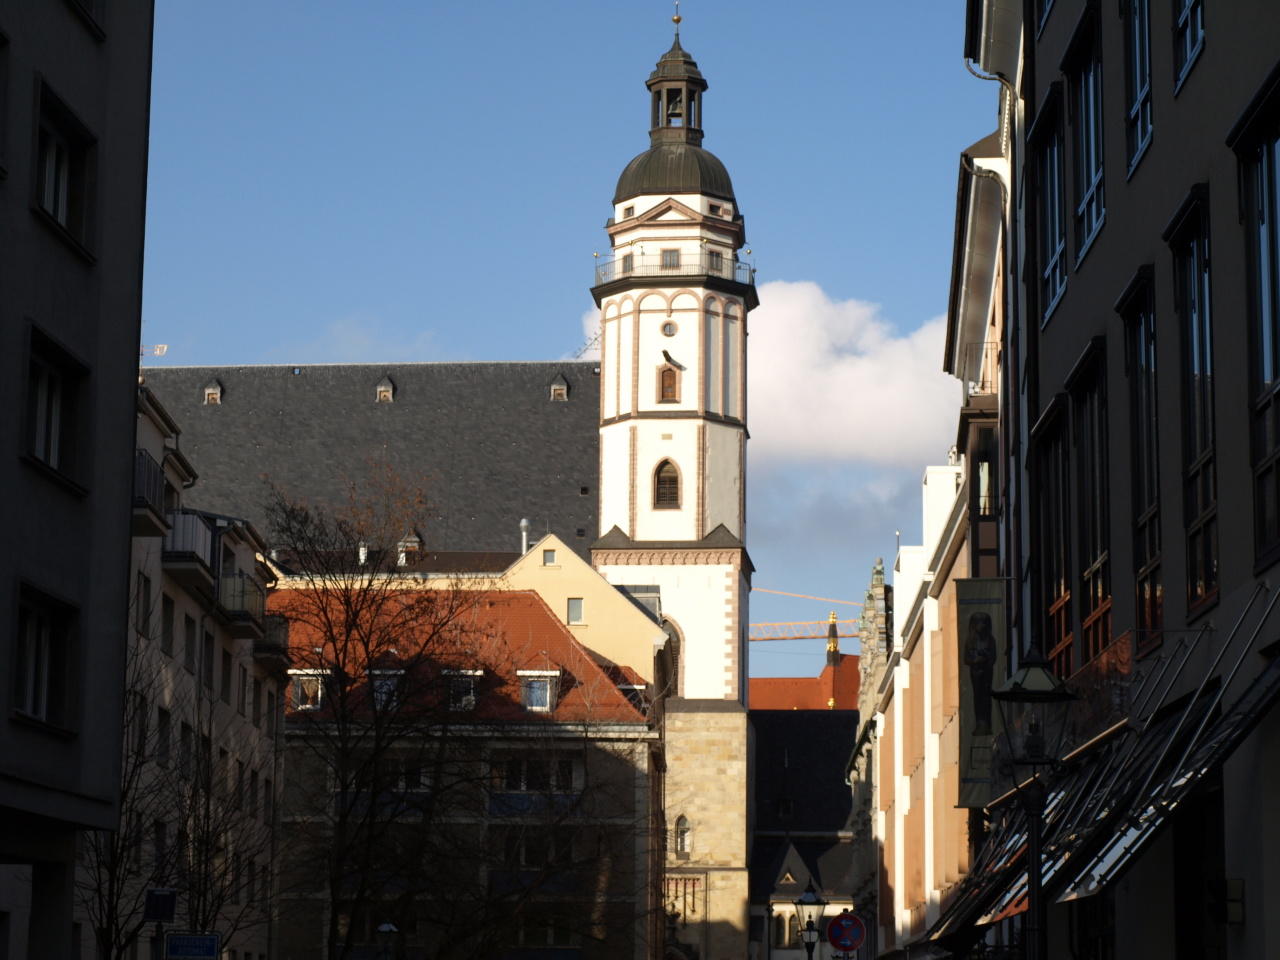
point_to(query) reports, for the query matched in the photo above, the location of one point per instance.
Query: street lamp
(1033, 707)
(809, 911)
(386, 936)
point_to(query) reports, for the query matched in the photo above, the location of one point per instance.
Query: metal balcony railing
(190, 535)
(681, 264)
(241, 595)
(148, 482)
(981, 368)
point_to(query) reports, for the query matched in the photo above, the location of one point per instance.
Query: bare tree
(412, 817)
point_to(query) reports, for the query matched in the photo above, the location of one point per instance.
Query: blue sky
(428, 181)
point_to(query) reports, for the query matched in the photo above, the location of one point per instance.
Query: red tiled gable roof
(839, 683)
(500, 632)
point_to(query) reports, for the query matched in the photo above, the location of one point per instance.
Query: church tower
(674, 298)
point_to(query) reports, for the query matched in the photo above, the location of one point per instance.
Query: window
(253, 794)
(43, 657)
(142, 604)
(54, 381)
(385, 686)
(715, 209)
(1200, 494)
(307, 691)
(538, 689)
(683, 837)
(1140, 322)
(1188, 36)
(670, 259)
(628, 263)
(257, 702)
(534, 848)
(1042, 12)
(666, 486)
(1262, 169)
(64, 167)
(138, 724)
(268, 802)
(238, 794)
(1054, 522)
(559, 392)
(206, 665)
(185, 743)
(1086, 101)
(189, 643)
(226, 677)
(669, 329)
(164, 733)
(242, 691)
(167, 616)
(1090, 410)
(668, 384)
(385, 391)
(548, 558)
(524, 773)
(160, 846)
(574, 612)
(628, 212)
(715, 262)
(732, 347)
(1137, 38)
(462, 688)
(1052, 226)
(711, 358)
(212, 393)
(271, 713)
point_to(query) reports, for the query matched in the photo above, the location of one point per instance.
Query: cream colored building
(673, 300)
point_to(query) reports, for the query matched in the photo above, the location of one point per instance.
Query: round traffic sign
(846, 932)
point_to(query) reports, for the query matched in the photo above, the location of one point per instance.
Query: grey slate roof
(670, 168)
(484, 439)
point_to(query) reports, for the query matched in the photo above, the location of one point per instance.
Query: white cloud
(832, 380)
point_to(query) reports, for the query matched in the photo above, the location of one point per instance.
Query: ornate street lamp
(1033, 707)
(809, 911)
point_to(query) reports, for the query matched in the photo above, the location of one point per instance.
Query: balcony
(148, 496)
(710, 267)
(242, 603)
(981, 371)
(188, 552)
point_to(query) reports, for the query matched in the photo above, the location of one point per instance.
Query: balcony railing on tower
(674, 263)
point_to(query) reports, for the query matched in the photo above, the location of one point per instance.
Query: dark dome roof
(671, 168)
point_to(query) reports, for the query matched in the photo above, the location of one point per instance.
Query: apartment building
(74, 111)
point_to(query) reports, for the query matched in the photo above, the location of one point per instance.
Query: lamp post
(809, 909)
(1033, 707)
(386, 937)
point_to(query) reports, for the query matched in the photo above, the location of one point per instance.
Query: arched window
(666, 486)
(682, 836)
(668, 384)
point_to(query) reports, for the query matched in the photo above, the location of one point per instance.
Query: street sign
(191, 946)
(846, 932)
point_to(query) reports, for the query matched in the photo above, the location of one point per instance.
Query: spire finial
(677, 18)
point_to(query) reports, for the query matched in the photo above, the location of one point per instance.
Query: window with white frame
(462, 688)
(306, 689)
(385, 688)
(1086, 95)
(548, 558)
(574, 612)
(538, 689)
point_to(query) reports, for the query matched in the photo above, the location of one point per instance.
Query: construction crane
(805, 629)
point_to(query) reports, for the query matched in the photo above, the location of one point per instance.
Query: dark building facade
(75, 84)
(490, 444)
(1137, 272)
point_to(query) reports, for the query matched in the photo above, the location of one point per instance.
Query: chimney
(524, 535)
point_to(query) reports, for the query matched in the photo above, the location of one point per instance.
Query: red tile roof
(839, 684)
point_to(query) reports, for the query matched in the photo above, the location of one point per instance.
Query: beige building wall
(707, 783)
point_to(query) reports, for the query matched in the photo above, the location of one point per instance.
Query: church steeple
(676, 87)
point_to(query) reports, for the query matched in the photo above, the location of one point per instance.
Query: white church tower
(674, 298)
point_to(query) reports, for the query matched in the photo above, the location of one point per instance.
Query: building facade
(74, 111)
(673, 302)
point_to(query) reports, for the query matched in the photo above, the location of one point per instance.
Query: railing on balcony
(190, 535)
(674, 264)
(981, 369)
(148, 482)
(242, 596)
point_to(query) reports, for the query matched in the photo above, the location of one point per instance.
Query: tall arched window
(666, 486)
(668, 384)
(683, 836)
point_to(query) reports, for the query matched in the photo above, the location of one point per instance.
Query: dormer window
(462, 688)
(628, 211)
(385, 391)
(385, 687)
(559, 388)
(408, 550)
(538, 689)
(212, 392)
(306, 688)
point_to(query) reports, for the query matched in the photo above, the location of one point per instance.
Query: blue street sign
(191, 946)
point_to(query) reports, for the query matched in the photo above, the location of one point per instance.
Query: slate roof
(484, 439)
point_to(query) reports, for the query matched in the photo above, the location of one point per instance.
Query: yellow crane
(805, 629)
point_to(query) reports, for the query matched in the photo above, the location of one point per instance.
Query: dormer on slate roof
(212, 392)
(385, 391)
(559, 387)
